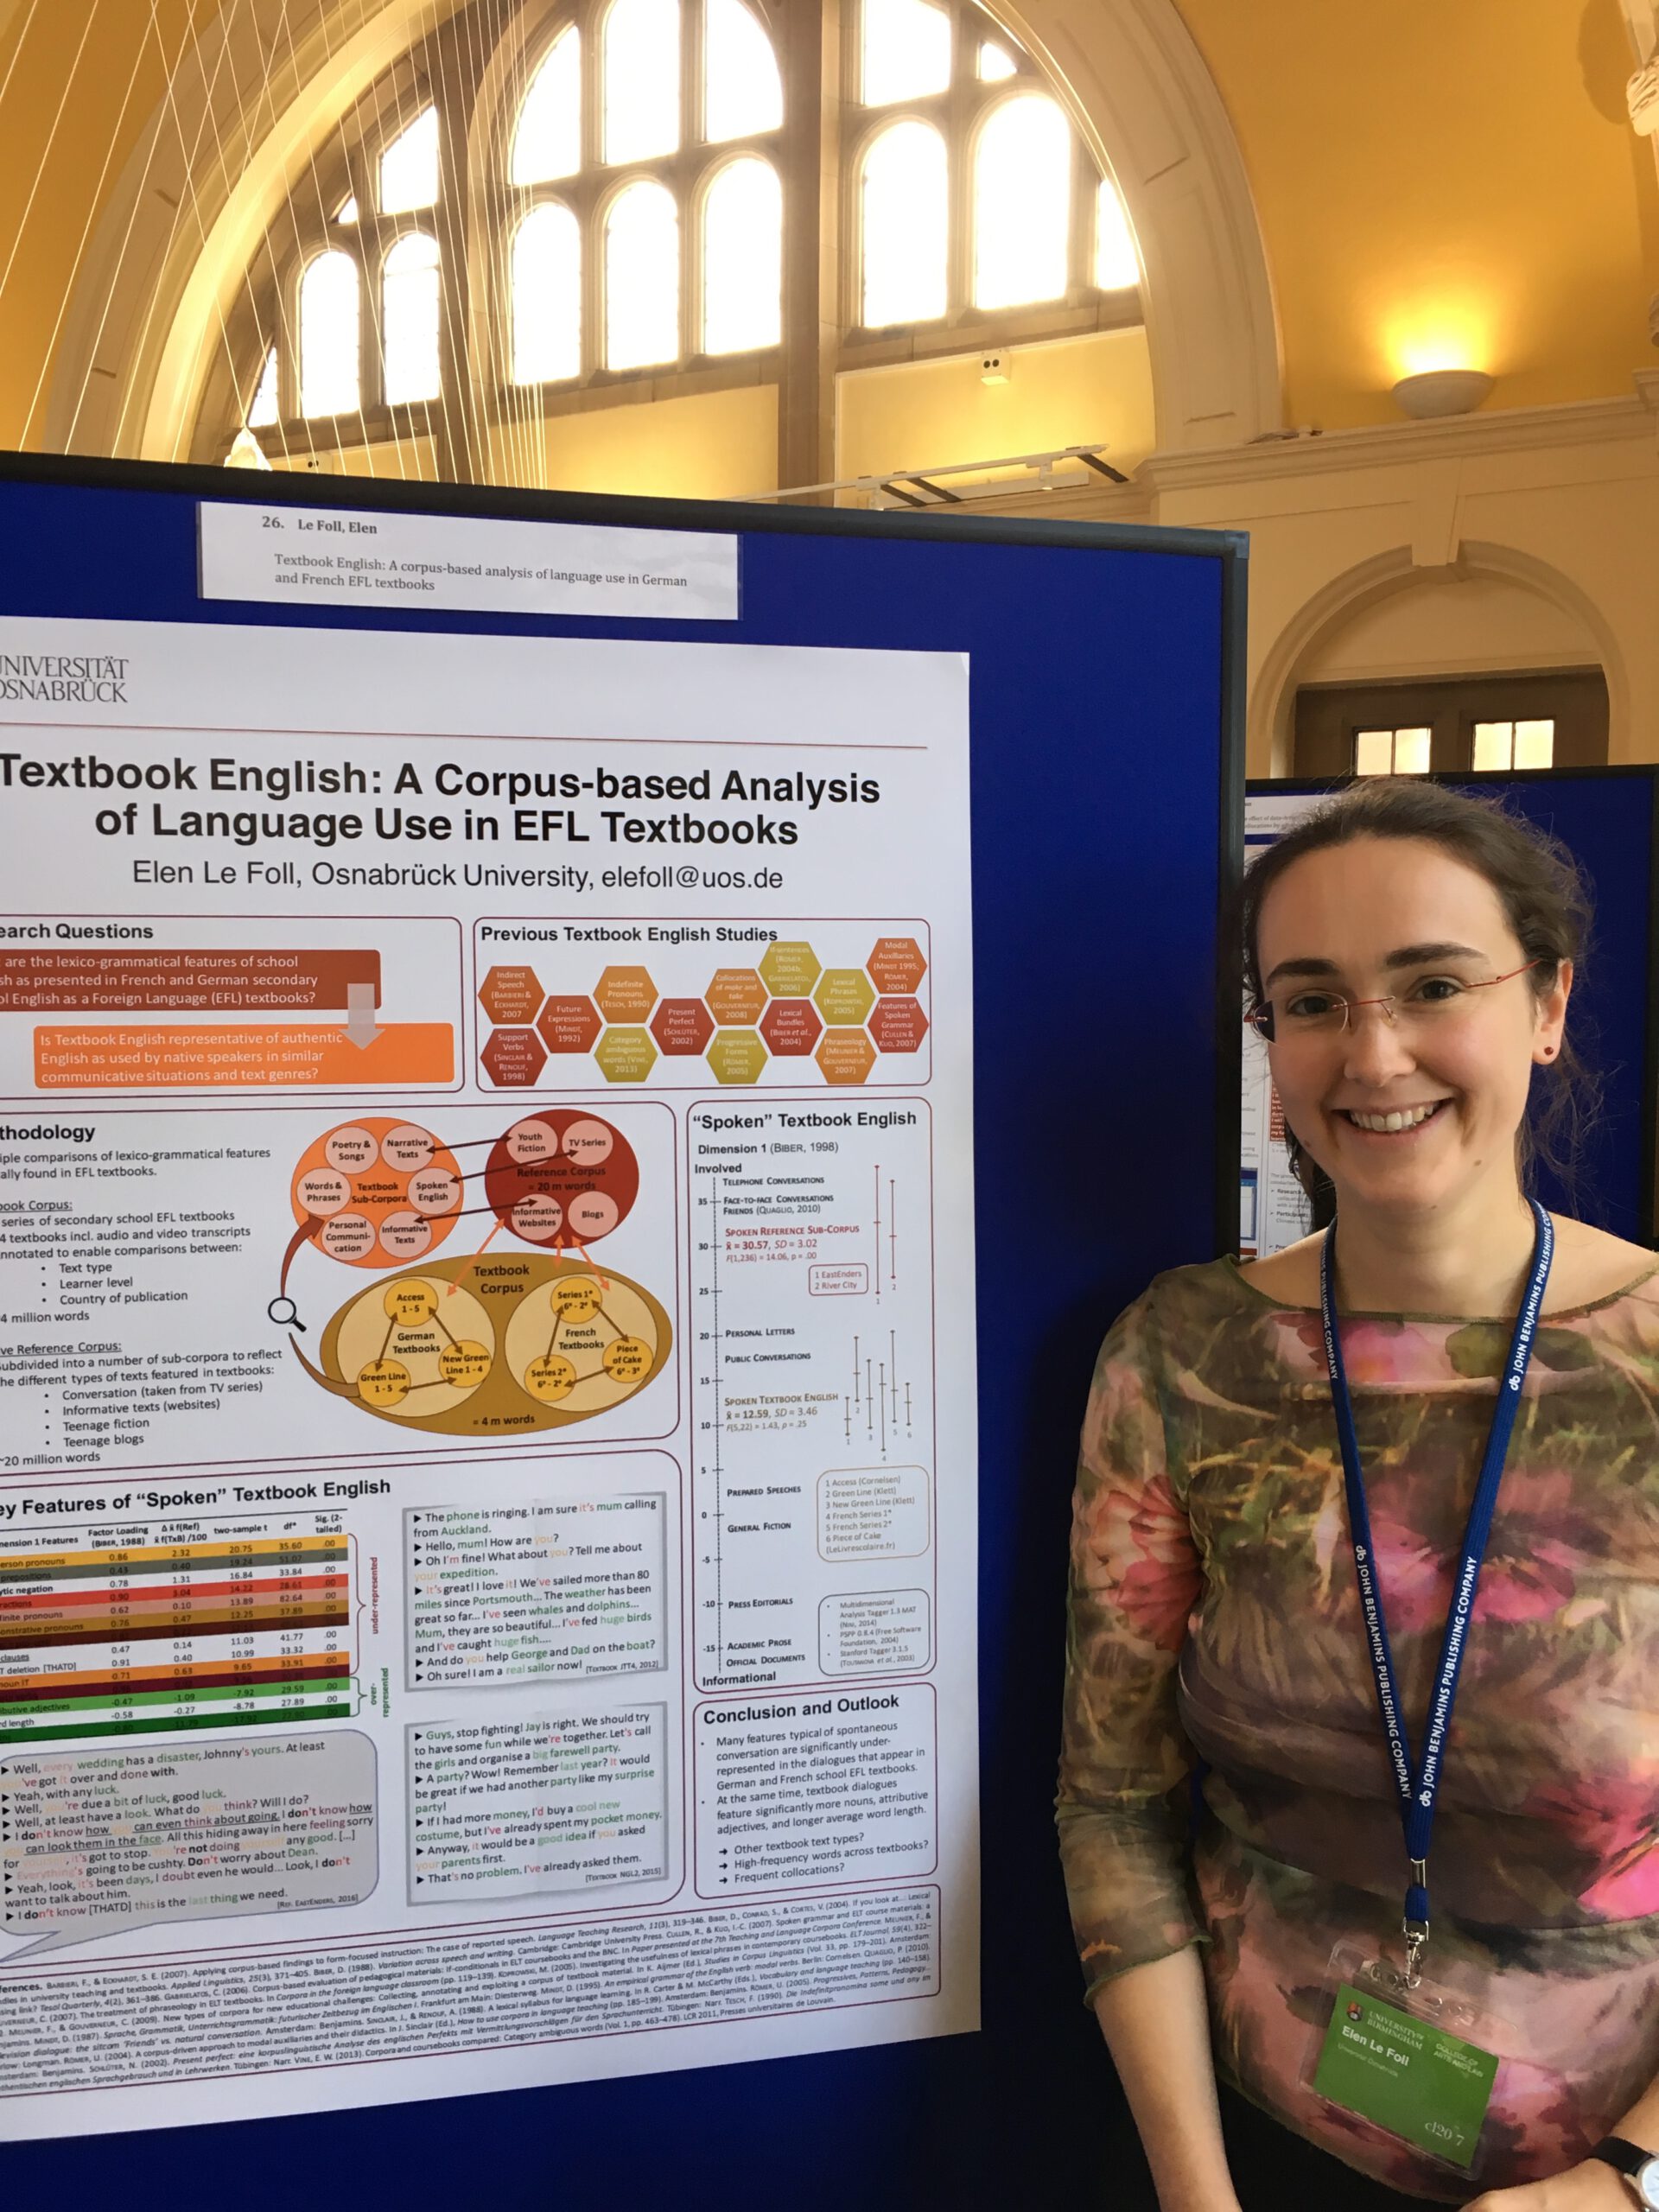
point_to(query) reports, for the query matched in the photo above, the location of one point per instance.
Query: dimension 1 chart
(812, 1389)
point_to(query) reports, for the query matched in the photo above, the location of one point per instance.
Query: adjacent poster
(1273, 1209)
(487, 1561)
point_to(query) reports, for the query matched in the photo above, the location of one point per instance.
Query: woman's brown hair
(1542, 890)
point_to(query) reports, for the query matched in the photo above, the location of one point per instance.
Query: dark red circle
(506, 1180)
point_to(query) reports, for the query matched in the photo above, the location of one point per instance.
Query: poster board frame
(143, 2161)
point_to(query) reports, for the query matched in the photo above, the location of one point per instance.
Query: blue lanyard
(1418, 1787)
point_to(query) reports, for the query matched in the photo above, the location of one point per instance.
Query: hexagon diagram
(899, 1025)
(845, 1056)
(682, 1026)
(844, 996)
(790, 1027)
(736, 997)
(625, 993)
(897, 966)
(789, 969)
(626, 1055)
(736, 1056)
(569, 1024)
(511, 996)
(513, 1058)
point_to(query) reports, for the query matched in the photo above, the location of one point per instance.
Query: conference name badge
(1406, 2074)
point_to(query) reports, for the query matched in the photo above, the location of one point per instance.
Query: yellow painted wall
(78, 83)
(411, 460)
(710, 445)
(1073, 391)
(1443, 183)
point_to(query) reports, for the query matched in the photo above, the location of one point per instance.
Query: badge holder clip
(1411, 2056)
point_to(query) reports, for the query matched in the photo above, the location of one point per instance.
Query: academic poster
(487, 1363)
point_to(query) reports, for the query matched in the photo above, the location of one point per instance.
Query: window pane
(742, 92)
(264, 410)
(642, 278)
(1116, 267)
(1411, 751)
(548, 141)
(905, 51)
(409, 167)
(1493, 744)
(412, 307)
(347, 210)
(330, 311)
(995, 63)
(1535, 743)
(1373, 752)
(640, 99)
(547, 297)
(1022, 203)
(903, 220)
(742, 258)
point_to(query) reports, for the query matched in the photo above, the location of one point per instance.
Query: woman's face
(1401, 917)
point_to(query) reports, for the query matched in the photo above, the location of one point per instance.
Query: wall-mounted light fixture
(1442, 392)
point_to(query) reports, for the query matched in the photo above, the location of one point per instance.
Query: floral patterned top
(1216, 1634)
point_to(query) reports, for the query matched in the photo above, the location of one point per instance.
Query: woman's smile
(1390, 1121)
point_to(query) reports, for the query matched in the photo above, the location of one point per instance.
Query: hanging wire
(230, 73)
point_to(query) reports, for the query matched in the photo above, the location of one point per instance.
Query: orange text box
(189, 979)
(288, 1057)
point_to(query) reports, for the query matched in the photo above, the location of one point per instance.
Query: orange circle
(378, 1193)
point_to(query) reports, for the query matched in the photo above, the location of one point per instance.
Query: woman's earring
(1549, 1051)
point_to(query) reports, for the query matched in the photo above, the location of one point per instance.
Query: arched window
(547, 296)
(264, 409)
(905, 51)
(411, 310)
(1022, 203)
(330, 316)
(903, 221)
(546, 198)
(742, 258)
(642, 277)
(409, 167)
(1117, 265)
(743, 94)
(641, 98)
(546, 138)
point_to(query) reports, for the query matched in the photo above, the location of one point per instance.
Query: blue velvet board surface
(1606, 819)
(1099, 699)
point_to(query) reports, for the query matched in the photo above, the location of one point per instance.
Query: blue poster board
(1105, 693)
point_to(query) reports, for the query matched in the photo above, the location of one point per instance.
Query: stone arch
(265, 87)
(1343, 597)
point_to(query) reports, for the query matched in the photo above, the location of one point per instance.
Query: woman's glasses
(1310, 1010)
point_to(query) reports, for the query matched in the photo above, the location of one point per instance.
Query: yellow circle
(383, 1382)
(627, 1360)
(549, 1378)
(576, 1299)
(410, 1303)
(465, 1363)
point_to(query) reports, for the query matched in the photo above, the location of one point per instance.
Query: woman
(1230, 1804)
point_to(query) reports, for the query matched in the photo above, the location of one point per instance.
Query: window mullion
(585, 199)
(962, 106)
(1080, 246)
(693, 158)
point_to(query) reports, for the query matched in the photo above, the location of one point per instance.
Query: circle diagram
(494, 1344)
(561, 1179)
(376, 1192)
